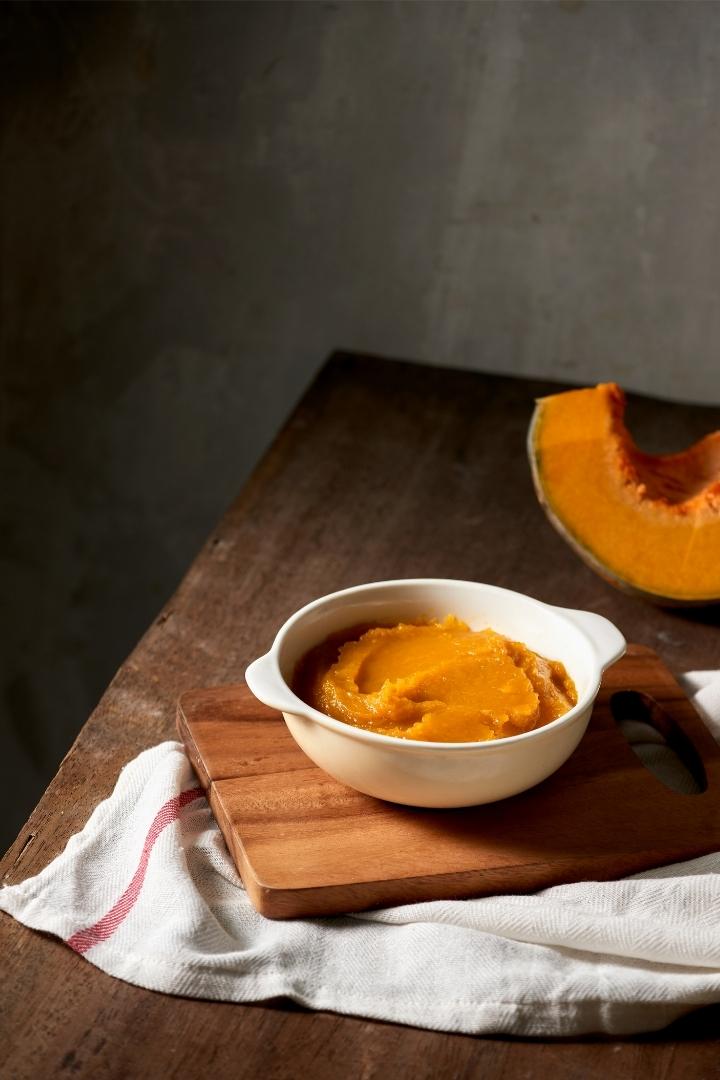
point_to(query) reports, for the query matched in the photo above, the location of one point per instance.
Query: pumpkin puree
(435, 681)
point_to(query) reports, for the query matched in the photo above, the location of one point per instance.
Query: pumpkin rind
(648, 524)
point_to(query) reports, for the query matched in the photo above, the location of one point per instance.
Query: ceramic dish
(431, 773)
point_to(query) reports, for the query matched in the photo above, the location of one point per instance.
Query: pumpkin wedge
(648, 524)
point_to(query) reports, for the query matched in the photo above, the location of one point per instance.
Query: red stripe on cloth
(83, 940)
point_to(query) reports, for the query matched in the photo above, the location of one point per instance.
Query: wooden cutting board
(306, 845)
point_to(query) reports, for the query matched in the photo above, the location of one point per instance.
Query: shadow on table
(705, 616)
(702, 1023)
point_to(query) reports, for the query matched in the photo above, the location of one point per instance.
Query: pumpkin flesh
(650, 523)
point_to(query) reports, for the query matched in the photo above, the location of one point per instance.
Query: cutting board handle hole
(659, 742)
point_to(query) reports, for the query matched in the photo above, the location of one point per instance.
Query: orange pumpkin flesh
(650, 524)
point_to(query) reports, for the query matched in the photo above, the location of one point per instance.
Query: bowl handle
(267, 684)
(607, 641)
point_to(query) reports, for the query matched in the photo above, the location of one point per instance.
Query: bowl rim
(307, 712)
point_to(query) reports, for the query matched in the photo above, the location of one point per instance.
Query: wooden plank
(385, 470)
(307, 845)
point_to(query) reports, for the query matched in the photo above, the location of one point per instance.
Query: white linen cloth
(147, 892)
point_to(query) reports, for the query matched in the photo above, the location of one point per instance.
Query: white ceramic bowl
(431, 773)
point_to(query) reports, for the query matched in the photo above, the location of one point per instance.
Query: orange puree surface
(439, 681)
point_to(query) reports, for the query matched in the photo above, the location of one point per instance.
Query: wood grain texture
(441, 488)
(307, 845)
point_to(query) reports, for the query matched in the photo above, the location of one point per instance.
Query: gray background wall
(200, 201)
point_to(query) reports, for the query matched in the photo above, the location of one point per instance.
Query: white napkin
(148, 893)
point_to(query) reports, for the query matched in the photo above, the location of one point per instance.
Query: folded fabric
(147, 892)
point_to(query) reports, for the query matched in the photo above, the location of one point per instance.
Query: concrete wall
(200, 201)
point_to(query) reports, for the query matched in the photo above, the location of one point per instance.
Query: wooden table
(385, 470)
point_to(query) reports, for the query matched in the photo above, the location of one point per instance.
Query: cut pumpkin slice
(648, 524)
